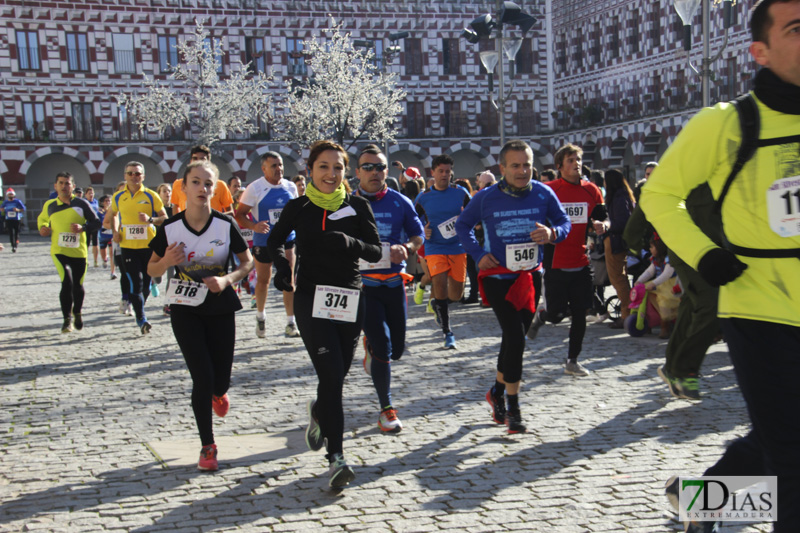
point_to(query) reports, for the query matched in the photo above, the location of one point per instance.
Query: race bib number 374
(335, 303)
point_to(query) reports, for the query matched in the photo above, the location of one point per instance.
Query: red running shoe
(220, 404)
(208, 459)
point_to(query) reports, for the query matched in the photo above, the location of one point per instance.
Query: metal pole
(501, 108)
(706, 62)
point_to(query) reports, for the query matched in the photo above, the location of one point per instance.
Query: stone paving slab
(82, 414)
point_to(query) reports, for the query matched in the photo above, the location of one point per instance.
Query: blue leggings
(385, 317)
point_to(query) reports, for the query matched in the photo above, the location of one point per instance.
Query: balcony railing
(124, 62)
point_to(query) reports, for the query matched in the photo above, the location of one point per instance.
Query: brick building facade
(607, 75)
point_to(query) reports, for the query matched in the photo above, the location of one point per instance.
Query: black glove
(336, 241)
(283, 280)
(719, 266)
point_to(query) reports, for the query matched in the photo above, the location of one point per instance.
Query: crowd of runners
(345, 255)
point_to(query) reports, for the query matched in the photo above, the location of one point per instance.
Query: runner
(386, 308)
(568, 283)
(334, 231)
(14, 212)
(92, 237)
(513, 214)
(202, 299)
(66, 220)
(264, 199)
(139, 208)
(438, 207)
(222, 200)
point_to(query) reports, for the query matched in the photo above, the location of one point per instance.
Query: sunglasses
(369, 167)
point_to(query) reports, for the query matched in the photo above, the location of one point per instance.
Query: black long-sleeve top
(329, 244)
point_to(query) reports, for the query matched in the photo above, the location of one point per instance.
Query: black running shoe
(514, 423)
(78, 321)
(498, 407)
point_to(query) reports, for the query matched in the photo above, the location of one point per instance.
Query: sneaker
(154, 290)
(449, 341)
(498, 407)
(220, 404)
(292, 331)
(669, 380)
(105, 264)
(167, 310)
(144, 326)
(367, 357)
(340, 472)
(537, 323)
(429, 309)
(123, 304)
(208, 459)
(574, 368)
(67, 327)
(596, 319)
(419, 295)
(128, 309)
(78, 321)
(688, 387)
(261, 328)
(389, 422)
(253, 303)
(514, 423)
(314, 438)
(113, 277)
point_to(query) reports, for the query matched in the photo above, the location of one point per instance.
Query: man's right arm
(696, 156)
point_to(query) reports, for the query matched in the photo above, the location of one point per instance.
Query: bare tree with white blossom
(346, 98)
(196, 95)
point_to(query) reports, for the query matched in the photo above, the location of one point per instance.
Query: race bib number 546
(335, 303)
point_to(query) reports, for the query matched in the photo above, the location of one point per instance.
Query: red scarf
(521, 294)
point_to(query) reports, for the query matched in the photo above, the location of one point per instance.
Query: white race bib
(247, 234)
(274, 215)
(186, 292)
(69, 240)
(577, 212)
(783, 207)
(136, 232)
(448, 227)
(335, 303)
(522, 256)
(385, 261)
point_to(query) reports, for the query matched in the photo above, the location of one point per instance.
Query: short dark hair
(516, 145)
(64, 174)
(761, 21)
(443, 159)
(549, 174)
(371, 149)
(200, 149)
(567, 150)
(268, 155)
(234, 178)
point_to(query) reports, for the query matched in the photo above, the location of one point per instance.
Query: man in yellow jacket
(758, 268)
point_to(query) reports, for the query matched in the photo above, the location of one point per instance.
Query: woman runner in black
(334, 230)
(197, 242)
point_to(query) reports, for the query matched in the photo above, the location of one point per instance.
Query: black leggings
(330, 345)
(13, 231)
(206, 342)
(514, 324)
(71, 270)
(569, 290)
(138, 280)
(124, 285)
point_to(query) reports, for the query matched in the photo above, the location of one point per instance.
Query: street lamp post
(686, 11)
(507, 13)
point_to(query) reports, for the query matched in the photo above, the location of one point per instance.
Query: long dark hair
(615, 181)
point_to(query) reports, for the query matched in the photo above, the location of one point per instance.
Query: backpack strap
(750, 124)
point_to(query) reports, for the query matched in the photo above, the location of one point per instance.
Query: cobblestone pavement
(79, 410)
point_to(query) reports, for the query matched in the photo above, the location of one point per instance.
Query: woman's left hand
(216, 283)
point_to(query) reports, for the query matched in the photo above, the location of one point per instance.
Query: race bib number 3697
(335, 303)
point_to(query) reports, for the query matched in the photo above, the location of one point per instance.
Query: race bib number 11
(336, 303)
(783, 204)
